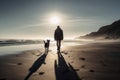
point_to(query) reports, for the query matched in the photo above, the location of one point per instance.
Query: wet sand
(95, 61)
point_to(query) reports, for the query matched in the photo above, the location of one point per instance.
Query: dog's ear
(48, 40)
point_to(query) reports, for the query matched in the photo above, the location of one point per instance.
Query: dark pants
(58, 44)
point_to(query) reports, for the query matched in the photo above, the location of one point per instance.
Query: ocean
(15, 48)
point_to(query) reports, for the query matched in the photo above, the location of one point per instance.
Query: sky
(30, 19)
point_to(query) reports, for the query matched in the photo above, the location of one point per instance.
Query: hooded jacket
(58, 35)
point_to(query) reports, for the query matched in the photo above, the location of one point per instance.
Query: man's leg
(59, 42)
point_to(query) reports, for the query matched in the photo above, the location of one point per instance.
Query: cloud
(79, 19)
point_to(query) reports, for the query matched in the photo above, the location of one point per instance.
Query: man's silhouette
(58, 36)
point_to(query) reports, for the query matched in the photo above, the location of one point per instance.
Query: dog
(46, 44)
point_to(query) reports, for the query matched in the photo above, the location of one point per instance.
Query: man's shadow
(64, 71)
(37, 64)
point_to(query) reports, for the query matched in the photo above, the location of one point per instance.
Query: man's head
(58, 26)
(48, 40)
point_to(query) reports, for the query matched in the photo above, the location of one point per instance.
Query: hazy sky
(31, 18)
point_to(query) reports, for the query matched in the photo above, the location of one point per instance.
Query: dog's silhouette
(46, 44)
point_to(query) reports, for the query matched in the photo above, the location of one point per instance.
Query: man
(58, 36)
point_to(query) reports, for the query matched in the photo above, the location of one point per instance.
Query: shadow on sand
(37, 64)
(64, 71)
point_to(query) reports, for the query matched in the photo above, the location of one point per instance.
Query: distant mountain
(111, 31)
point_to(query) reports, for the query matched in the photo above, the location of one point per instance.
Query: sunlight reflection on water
(19, 48)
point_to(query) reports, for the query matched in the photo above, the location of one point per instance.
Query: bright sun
(55, 20)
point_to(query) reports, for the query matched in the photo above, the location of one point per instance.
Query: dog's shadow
(37, 64)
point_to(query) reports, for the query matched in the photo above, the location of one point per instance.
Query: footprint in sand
(82, 59)
(65, 53)
(33, 53)
(91, 70)
(19, 63)
(62, 51)
(76, 69)
(38, 55)
(41, 73)
(83, 66)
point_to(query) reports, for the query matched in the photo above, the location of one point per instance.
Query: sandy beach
(92, 61)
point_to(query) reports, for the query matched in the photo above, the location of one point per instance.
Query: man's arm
(62, 34)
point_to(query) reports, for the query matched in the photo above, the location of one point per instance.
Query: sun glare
(55, 20)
